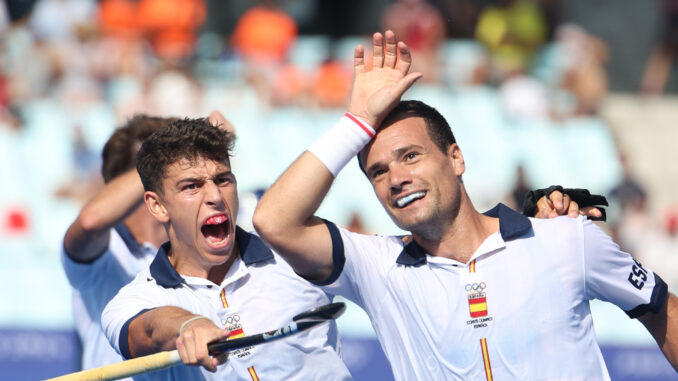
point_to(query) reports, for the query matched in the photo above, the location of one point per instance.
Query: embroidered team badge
(477, 300)
(233, 325)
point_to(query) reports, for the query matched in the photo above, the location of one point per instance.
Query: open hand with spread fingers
(378, 89)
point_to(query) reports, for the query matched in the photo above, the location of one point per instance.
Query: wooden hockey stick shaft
(156, 361)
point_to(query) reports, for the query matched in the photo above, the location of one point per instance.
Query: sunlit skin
(192, 193)
(402, 160)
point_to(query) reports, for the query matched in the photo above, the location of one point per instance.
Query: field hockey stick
(166, 359)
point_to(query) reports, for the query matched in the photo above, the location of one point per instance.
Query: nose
(213, 196)
(398, 177)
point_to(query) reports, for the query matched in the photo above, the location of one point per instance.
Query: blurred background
(580, 93)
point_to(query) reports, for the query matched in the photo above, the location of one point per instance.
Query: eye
(411, 155)
(190, 186)
(222, 180)
(377, 173)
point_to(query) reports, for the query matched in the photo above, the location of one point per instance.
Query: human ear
(155, 206)
(454, 153)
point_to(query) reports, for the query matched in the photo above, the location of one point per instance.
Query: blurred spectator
(171, 25)
(58, 20)
(290, 86)
(264, 33)
(263, 36)
(585, 77)
(174, 92)
(512, 31)
(332, 84)
(628, 212)
(421, 27)
(519, 190)
(524, 97)
(658, 66)
(356, 224)
(629, 193)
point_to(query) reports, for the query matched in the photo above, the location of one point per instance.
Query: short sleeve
(96, 290)
(138, 296)
(615, 276)
(360, 263)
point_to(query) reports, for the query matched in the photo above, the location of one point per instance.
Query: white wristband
(342, 142)
(184, 324)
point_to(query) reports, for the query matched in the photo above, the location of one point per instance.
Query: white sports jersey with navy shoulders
(519, 310)
(95, 283)
(259, 293)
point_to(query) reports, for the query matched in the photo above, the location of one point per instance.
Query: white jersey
(260, 293)
(519, 310)
(96, 282)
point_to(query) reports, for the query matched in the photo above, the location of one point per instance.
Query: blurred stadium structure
(555, 99)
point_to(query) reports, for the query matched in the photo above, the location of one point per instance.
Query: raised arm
(87, 237)
(168, 328)
(663, 326)
(285, 214)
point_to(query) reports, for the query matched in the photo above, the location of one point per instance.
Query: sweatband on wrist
(342, 142)
(184, 324)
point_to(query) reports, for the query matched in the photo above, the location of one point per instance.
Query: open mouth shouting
(216, 230)
(408, 199)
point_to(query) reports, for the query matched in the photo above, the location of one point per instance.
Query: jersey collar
(252, 250)
(512, 225)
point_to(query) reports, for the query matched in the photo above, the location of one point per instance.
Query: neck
(188, 262)
(460, 235)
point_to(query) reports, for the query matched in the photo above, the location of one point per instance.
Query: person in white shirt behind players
(468, 296)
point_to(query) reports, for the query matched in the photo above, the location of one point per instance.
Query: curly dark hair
(439, 131)
(120, 152)
(189, 139)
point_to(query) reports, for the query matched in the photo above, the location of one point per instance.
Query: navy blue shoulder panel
(659, 294)
(338, 256)
(123, 341)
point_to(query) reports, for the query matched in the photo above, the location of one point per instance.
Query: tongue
(215, 220)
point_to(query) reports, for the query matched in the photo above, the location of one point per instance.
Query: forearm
(285, 218)
(664, 328)
(88, 234)
(156, 330)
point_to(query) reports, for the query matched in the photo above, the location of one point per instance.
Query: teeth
(401, 202)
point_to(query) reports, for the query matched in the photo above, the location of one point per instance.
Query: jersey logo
(477, 300)
(638, 275)
(233, 325)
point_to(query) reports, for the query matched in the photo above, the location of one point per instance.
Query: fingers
(405, 60)
(359, 59)
(407, 82)
(377, 50)
(390, 53)
(591, 211)
(545, 208)
(192, 345)
(218, 120)
(573, 209)
(556, 198)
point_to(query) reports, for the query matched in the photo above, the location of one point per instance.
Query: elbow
(264, 224)
(90, 221)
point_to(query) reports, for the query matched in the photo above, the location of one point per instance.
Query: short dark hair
(438, 129)
(189, 139)
(120, 152)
